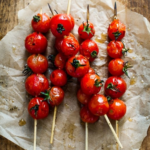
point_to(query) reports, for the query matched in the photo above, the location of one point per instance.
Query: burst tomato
(115, 87)
(117, 109)
(36, 43)
(41, 23)
(77, 66)
(89, 49)
(98, 105)
(36, 83)
(38, 108)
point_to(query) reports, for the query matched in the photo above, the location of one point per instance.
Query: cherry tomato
(58, 77)
(41, 23)
(87, 116)
(118, 67)
(72, 20)
(37, 63)
(36, 43)
(61, 25)
(82, 98)
(69, 46)
(117, 109)
(98, 105)
(89, 49)
(86, 31)
(36, 83)
(115, 87)
(38, 108)
(77, 66)
(116, 30)
(91, 84)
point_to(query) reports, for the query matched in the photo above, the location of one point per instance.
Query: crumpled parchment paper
(69, 131)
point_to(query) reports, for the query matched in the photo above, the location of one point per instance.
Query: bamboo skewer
(35, 132)
(68, 8)
(86, 136)
(117, 132)
(41, 11)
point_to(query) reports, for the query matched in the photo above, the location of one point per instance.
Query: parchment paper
(69, 131)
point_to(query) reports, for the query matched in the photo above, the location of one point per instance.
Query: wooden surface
(8, 19)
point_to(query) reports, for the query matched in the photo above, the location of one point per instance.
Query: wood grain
(8, 19)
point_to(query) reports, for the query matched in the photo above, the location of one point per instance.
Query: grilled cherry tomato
(117, 109)
(77, 66)
(36, 63)
(58, 77)
(115, 87)
(116, 30)
(118, 67)
(91, 84)
(116, 49)
(82, 98)
(41, 23)
(86, 30)
(61, 24)
(98, 105)
(36, 43)
(69, 46)
(36, 83)
(87, 116)
(38, 108)
(54, 95)
(89, 49)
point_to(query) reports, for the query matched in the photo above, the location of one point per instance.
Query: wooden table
(8, 19)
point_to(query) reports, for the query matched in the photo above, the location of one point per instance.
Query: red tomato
(58, 77)
(91, 84)
(37, 63)
(98, 105)
(87, 116)
(115, 87)
(36, 83)
(61, 25)
(86, 31)
(41, 23)
(82, 98)
(72, 20)
(116, 30)
(77, 66)
(117, 109)
(38, 108)
(89, 49)
(36, 43)
(69, 46)
(118, 67)
(116, 49)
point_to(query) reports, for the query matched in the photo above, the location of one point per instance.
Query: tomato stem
(27, 71)
(60, 28)
(87, 29)
(94, 54)
(124, 50)
(113, 87)
(76, 63)
(98, 83)
(46, 96)
(125, 68)
(116, 34)
(36, 18)
(35, 108)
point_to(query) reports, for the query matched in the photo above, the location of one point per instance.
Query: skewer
(117, 132)
(115, 11)
(68, 8)
(50, 9)
(41, 11)
(86, 136)
(88, 13)
(113, 131)
(35, 131)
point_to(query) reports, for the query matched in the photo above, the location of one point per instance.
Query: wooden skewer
(68, 8)
(113, 131)
(50, 9)
(53, 125)
(86, 136)
(117, 132)
(35, 131)
(41, 11)
(88, 13)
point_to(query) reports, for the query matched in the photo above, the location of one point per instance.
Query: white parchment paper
(69, 131)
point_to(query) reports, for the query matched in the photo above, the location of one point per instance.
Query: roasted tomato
(36, 43)
(36, 83)
(60, 25)
(38, 108)
(77, 66)
(86, 30)
(54, 95)
(89, 49)
(117, 109)
(87, 116)
(115, 87)
(58, 77)
(116, 30)
(98, 105)
(82, 98)
(69, 46)
(118, 67)
(91, 84)
(41, 23)
(116, 49)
